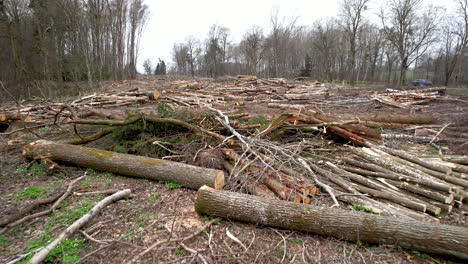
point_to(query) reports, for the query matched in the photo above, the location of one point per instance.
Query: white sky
(171, 21)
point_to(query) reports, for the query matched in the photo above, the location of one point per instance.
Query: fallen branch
(51, 209)
(41, 255)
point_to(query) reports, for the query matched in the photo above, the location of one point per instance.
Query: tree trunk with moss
(343, 224)
(125, 164)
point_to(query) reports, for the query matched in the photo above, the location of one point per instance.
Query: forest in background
(411, 40)
(56, 47)
(47, 46)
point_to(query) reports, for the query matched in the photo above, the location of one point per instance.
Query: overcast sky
(171, 21)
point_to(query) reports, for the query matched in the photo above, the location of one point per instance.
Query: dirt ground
(126, 228)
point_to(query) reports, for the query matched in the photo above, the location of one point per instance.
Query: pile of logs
(245, 80)
(406, 98)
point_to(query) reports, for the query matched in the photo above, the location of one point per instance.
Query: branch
(41, 255)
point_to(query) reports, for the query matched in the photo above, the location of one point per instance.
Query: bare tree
(148, 67)
(252, 47)
(409, 31)
(352, 21)
(455, 39)
(193, 52)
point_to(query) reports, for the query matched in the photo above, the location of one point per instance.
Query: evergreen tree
(307, 67)
(157, 71)
(163, 68)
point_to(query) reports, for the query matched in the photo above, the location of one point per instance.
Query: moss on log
(125, 164)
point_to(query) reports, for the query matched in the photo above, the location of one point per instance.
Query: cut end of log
(219, 181)
(27, 151)
(154, 95)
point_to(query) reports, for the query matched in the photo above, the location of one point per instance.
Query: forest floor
(126, 228)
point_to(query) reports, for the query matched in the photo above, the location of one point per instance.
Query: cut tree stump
(343, 224)
(125, 164)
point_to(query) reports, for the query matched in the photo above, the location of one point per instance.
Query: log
(401, 119)
(125, 164)
(394, 176)
(343, 224)
(10, 116)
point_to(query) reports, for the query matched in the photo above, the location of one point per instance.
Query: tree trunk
(343, 224)
(129, 165)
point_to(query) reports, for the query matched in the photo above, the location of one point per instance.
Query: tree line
(410, 37)
(44, 43)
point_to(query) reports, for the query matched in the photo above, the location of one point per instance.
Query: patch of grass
(72, 214)
(142, 223)
(35, 169)
(419, 254)
(362, 244)
(154, 197)
(432, 150)
(358, 207)
(32, 192)
(65, 252)
(86, 182)
(3, 240)
(179, 251)
(258, 119)
(171, 185)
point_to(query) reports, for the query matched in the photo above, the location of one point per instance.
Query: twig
(438, 133)
(284, 242)
(42, 254)
(52, 208)
(327, 188)
(158, 243)
(23, 256)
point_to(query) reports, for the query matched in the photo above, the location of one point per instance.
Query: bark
(393, 176)
(343, 224)
(129, 165)
(402, 119)
(447, 199)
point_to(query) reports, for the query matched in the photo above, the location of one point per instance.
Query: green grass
(154, 197)
(65, 252)
(32, 192)
(179, 251)
(258, 119)
(419, 254)
(3, 240)
(34, 169)
(171, 185)
(72, 214)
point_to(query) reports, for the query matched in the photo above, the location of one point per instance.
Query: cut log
(9, 116)
(343, 224)
(402, 119)
(129, 165)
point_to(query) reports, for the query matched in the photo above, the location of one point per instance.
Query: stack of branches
(407, 98)
(401, 184)
(39, 112)
(275, 159)
(308, 120)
